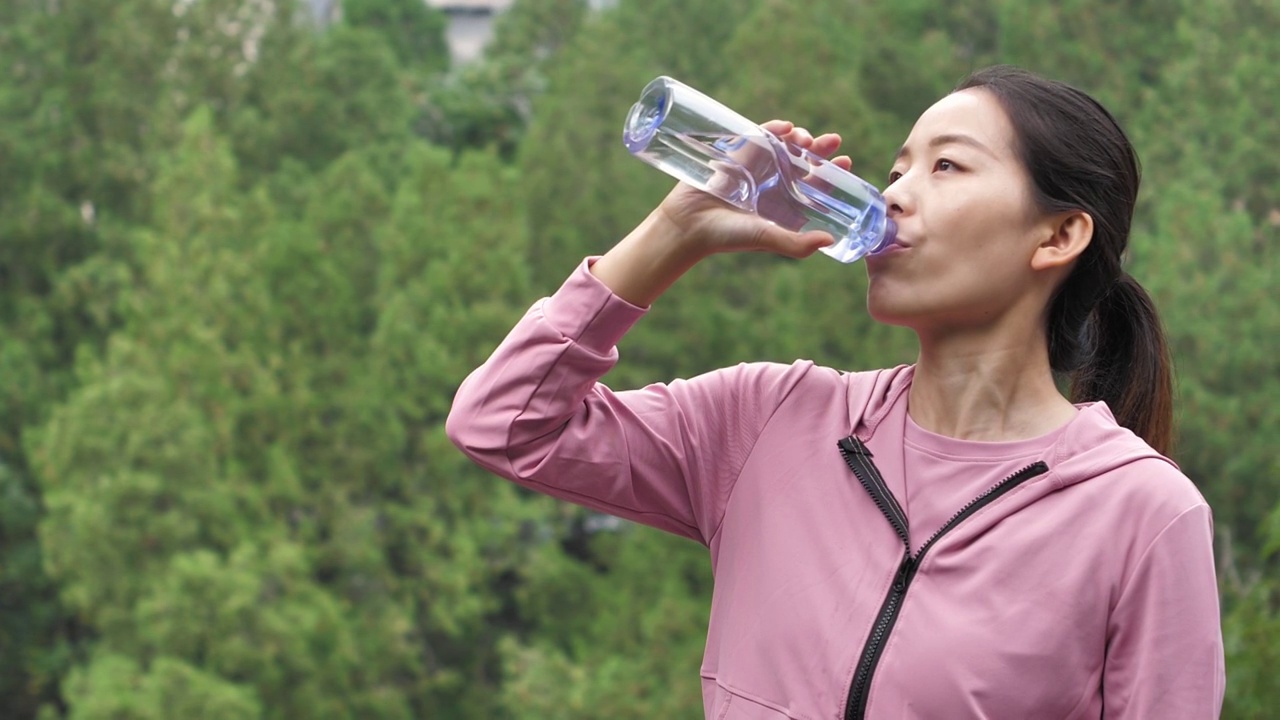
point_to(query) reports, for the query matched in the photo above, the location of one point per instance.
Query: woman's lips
(894, 244)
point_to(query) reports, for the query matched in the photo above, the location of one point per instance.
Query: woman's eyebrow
(948, 139)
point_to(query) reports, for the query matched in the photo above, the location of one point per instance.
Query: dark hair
(1103, 329)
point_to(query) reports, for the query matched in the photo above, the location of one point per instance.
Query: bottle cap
(647, 115)
(890, 235)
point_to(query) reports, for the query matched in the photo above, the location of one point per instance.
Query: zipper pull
(900, 580)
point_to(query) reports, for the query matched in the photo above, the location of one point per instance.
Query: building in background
(470, 21)
(470, 25)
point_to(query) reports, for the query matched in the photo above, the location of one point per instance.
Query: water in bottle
(701, 142)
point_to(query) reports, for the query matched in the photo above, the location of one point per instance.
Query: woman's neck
(973, 386)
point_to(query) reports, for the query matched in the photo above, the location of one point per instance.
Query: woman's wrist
(648, 260)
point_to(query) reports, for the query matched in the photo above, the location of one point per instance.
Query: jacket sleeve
(1164, 653)
(666, 455)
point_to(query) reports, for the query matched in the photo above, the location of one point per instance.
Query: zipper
(858, 457)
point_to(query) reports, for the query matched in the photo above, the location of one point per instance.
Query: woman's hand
(690, 225)
(711, 225)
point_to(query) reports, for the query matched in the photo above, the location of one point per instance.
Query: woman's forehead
(973, 114)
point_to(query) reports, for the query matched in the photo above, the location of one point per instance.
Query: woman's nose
(896, 198)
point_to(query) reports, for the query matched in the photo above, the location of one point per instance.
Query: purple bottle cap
(890, 235)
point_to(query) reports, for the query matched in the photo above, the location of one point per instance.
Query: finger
(778, 127)
(794, 244)
(799, 136)
(844, 162)
(825, 145)
(807, 243)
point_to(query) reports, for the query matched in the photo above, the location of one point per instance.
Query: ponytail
(1123, 360)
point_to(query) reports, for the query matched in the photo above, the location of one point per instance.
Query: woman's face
(967, 224)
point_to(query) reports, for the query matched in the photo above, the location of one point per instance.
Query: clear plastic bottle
(701, 142)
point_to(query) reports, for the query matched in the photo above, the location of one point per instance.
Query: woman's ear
(1064, 237)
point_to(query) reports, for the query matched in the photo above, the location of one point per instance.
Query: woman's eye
(893, 176)
(944, 164)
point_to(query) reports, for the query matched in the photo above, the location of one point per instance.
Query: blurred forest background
(246, 258)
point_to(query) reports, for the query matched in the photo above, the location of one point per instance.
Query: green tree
(78, 129)
(489, 102)
(141, 514)
(313, 98)
(684, 39)
(1251, 630)
(452, 277)
(1210, 238)
(117, 687)
(581, 661)
(572, 158)
(243, 487)
(414, 31)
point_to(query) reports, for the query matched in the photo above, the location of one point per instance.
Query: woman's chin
(887, 314)
(892, 305)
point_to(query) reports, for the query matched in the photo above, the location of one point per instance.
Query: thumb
(795, 244)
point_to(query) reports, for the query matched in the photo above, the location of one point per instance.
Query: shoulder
(1140, 500)
(1098, 453)
(805, 389)
(798, 391)
(1119, 480)
(761, 380)
(1154, 487)
(813, 381)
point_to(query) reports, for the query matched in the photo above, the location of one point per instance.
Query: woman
(948, 539)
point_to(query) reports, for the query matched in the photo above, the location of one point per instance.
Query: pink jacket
(1082, 588)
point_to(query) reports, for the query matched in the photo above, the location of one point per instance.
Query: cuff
(586, 311)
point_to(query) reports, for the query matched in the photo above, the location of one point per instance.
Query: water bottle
(703, 143)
